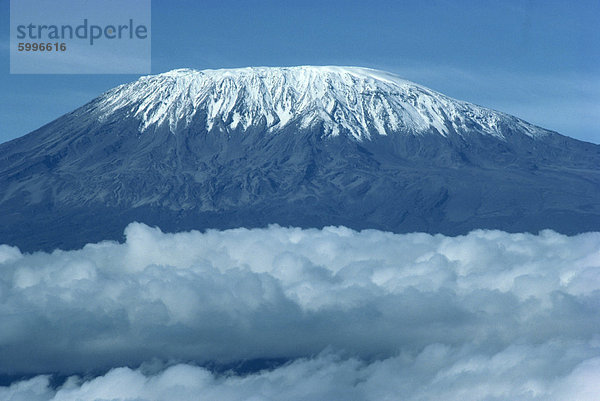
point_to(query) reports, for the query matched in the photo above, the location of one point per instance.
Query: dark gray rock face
(85, 176)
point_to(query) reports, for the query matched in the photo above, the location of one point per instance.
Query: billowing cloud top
(358, 315)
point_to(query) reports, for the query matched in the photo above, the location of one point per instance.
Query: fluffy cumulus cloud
(349, 315)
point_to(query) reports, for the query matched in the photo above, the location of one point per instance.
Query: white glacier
(358, 101)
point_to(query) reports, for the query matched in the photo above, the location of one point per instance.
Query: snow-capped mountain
(303, 146)
(358, 101)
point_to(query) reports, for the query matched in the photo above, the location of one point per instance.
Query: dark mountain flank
(301, 146)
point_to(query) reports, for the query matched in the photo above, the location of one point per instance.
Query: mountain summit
(303, 146)
(355, 101)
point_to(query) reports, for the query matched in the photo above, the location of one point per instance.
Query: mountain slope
(305, 146)
(359, 101)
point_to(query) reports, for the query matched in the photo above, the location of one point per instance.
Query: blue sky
(538, 60)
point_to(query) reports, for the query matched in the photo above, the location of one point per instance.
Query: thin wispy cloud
(564, 102)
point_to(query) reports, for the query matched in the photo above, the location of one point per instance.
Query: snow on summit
(357, 101)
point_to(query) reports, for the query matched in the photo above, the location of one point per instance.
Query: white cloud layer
(361, 316)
